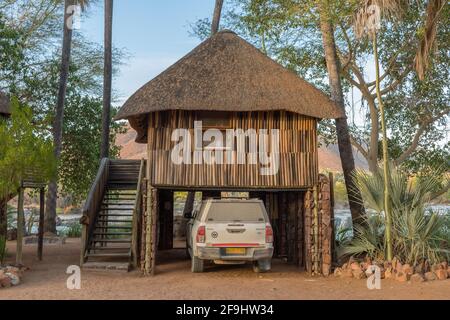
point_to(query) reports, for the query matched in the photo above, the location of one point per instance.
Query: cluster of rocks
(395, 270)
(10, 276)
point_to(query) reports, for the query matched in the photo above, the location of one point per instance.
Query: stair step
(109, 255)
(116, 221)
(115, 215)
(118, 197)
(113, 227)
(116, 209)
(112, 240)
(127, 249)
(112, 233)
(107, 266)
(117, 204)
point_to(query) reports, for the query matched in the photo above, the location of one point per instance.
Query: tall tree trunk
(50, 213)
(216, 17)
(189, 205)
(343, 135)
(107, 79)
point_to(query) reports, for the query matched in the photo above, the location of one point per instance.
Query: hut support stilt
(150, 231)
(316, 230)
(20, 227)
(41, 223)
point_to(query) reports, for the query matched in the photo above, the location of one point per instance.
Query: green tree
(291, 36)
(22, 147)
(82, 137)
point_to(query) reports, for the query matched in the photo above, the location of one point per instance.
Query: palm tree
(342, 131)
(189, 204)
(216, 17)
(69, 9)
(107, 82)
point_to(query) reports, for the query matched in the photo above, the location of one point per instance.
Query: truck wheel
(262, 266)
(197, 265)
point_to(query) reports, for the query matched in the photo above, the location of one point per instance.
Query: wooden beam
(316, 230)
(41, 223)
(20, 227)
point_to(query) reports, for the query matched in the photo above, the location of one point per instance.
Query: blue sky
(155, 33)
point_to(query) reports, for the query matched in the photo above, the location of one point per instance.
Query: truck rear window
(234, 211)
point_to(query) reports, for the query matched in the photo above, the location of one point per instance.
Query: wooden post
(333, 234)
(154, 215)
(316, 229)
(20, 227)
(148, 231)
(41, 223)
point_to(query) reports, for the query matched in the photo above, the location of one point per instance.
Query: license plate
(235, 251)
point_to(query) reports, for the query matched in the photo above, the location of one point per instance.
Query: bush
(74, 231)
(417, 233)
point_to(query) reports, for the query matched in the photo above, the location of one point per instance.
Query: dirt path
(47, 280)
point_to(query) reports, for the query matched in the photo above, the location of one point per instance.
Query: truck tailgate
(236, 234)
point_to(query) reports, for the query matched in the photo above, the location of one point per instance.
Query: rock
(417, 277)
(402, 276)
(419, 269)
(388, 274)
(441, 274)
(355, 266)
(444, 265)
(448, 272)
(406, 268)
(358, 274)
(387, 264)
(430, 276)
(337, 272)
(15, 279)
(435, 267)
(347, 273)
(398, 266)
(5, 281)
(14, 270)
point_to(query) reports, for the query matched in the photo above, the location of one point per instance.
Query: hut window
(214, 119)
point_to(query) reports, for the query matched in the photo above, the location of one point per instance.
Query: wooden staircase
(111, 216)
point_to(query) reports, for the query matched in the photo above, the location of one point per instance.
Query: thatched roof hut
(4, 105)
(226, 73)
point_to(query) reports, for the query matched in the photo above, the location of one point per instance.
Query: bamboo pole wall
(298, 152)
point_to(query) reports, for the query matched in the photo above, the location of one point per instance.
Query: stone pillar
(319, 251)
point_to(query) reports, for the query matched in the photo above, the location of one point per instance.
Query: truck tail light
(201, 232)
(269, 234)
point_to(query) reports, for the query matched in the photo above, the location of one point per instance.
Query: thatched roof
(4, 104)
(227, 73)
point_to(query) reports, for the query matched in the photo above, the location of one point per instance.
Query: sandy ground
(47, 280)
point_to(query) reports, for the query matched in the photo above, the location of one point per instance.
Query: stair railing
(137, 214)
(92, 206)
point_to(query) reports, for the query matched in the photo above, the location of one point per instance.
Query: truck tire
(262, 266)
(197, 265)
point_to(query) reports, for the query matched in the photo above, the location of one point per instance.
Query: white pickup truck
(230, 231)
